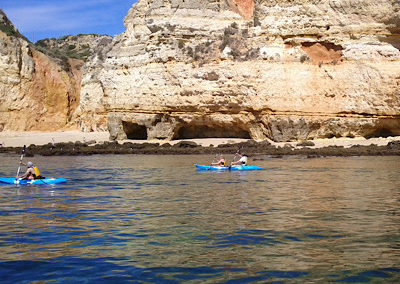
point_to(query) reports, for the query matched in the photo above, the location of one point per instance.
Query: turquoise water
(155, 219)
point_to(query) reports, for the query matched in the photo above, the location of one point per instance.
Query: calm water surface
(155, 219)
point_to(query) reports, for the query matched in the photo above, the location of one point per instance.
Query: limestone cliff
(282, 69)
(36, 92)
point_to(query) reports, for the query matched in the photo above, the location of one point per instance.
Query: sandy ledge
(72, 143)
(18, 139)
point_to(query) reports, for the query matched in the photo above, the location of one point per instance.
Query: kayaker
(30, 173)
(221, 162)
(242, 161)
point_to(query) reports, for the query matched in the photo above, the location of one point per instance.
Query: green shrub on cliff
(11, 31)
(62, 48)
(8, 30)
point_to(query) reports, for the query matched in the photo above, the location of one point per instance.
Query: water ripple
(155, 219)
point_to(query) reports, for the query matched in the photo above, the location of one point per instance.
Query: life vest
(37, 172)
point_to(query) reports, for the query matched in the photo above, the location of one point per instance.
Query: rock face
(36, 91)
(286, 70)
(278, 69)
(243, 7)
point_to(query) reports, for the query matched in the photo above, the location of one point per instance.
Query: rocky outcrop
(285, 70)
(36, 92)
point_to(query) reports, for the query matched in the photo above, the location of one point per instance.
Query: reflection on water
(157, 219)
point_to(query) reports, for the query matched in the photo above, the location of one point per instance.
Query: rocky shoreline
(252, 148)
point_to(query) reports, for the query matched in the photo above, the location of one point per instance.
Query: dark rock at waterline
(305, 144)
(251, 148)
(312, 156)
(186, 144)
(394, 145)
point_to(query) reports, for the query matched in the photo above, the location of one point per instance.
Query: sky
(38, 19)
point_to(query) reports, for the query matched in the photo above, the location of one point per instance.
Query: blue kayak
(48, 180)
(228, 168)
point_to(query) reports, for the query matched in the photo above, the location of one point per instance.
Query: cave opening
(134, 131)
(380, 132)
(210, 131)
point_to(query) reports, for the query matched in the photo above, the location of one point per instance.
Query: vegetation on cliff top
(81, 46)
(63, 49)
(8, 28)
(61, 52)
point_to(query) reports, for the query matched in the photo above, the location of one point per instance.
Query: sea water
(156, 219)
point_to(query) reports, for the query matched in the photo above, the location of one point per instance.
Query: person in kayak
(30, 173)
(221, 162)
(242, 161)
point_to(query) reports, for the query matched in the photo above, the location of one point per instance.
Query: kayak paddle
(20, 161)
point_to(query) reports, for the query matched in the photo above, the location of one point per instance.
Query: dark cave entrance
(134, 131)
(381, 132)
(206, 131)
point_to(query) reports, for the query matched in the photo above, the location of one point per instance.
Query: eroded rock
(283, 70)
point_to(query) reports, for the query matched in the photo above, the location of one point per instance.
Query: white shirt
(243, 160)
